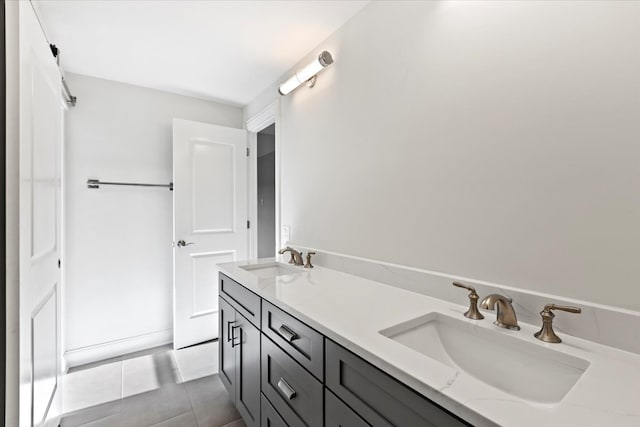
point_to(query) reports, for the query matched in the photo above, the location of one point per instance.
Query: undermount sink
(272, 269)
(524, 369)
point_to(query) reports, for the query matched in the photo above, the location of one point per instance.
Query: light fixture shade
(291, 83)
(306, 72)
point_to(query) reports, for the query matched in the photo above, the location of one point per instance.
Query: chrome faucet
(506, 317)
(296, 257)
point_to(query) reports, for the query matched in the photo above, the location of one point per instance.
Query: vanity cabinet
(226, 348)
(281, 372)
(239, 357)
(301, 342)
(243, 300)
(293, 392)
(337, 414)
(270, 417)
(378, 398)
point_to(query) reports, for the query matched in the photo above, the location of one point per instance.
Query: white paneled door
(209, 222)
(41, 114)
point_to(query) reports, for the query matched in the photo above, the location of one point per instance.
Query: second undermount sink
(524, 369)
(271, 269)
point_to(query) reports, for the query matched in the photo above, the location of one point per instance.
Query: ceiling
(227, 51)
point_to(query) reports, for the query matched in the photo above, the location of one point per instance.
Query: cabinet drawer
(337, 414)
(242, 299)
(297, 339)
(269, 416)
(293, 392)
(378, 398)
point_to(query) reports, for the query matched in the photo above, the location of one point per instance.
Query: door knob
(182, 243)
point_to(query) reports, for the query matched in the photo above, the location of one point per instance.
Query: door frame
(265, 118)
(11, 223)
(3, 217)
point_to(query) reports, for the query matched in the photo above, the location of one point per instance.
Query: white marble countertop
(351, 310)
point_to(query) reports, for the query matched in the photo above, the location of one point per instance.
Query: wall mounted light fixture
(308, 73)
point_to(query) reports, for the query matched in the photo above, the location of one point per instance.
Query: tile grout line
(172, 366)
(189, 399)
(186, 390)
(179, 415)
(177, 365)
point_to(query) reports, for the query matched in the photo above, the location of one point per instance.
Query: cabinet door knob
(286, 389)
(287, 333)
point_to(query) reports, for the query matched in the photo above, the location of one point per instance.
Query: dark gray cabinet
(337, 414)
(293, 392)
(281, 372)
(248, 371)
(270, 417)
(242, 299)
(378, 398)
(226, 346)
(301, 342)
(239, 356)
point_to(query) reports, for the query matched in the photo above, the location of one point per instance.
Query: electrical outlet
(285, 235)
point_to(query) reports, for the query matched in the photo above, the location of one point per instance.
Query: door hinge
(59, 263)
(247, 151)
(248, 224)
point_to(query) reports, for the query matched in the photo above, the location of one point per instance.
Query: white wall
(119, 253)
(493, 140)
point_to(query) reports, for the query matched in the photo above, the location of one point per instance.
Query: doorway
(266, 191)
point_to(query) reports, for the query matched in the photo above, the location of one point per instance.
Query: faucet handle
(473, 312)
(566, 308)
(309, 255)
(463, 286)
(546, 333)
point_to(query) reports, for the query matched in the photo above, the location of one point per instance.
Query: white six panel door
(209, 222)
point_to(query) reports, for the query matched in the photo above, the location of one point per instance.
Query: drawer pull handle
(286, 389)
(233, 336)
(287, 333)
(229, 332)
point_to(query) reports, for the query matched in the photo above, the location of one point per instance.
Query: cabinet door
(247, 370)
(226, 350)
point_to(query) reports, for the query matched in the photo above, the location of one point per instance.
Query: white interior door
(41, 114)
(210, 217)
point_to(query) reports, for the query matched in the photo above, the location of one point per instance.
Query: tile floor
(158, 387)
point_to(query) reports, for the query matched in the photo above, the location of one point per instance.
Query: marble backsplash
(606, 325)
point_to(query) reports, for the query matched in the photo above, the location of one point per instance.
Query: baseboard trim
(107, 350)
